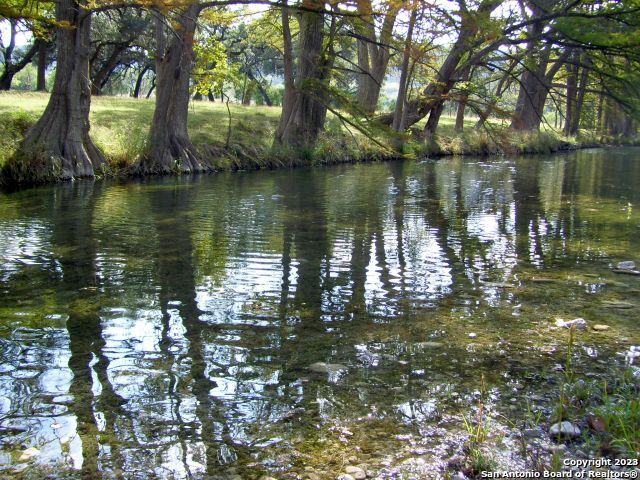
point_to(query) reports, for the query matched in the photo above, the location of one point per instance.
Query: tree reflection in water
(167, 328)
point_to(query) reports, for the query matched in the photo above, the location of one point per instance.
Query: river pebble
(356, 472)
(628, 265)
(564, 429)
(579, 323)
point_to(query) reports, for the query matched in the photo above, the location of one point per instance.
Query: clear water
(167, 328)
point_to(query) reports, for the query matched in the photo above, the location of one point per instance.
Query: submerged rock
(600, 328)
(617, 304)
(543, 280)
(628, 265)
(532, 433)
(579, 323)
(429, 344)
(345, 476)
(626, 271)
(564, 429)
(321, 367)
(459, 476)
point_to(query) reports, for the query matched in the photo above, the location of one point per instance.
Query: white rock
(29, 453)
(600, 328)
(473, 335)
(564, 429)
(345, 476)
(579, 323)
(356, 472)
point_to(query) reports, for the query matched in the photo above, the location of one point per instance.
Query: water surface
(167, 328)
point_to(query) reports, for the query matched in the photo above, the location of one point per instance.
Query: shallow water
(167, 328)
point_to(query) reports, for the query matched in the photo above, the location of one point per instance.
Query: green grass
(613, 406)
(120, 126)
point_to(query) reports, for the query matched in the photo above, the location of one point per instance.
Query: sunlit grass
(120, 127)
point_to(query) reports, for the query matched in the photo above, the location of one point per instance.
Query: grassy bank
(120, 126)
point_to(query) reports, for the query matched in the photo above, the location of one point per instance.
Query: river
(288, 323)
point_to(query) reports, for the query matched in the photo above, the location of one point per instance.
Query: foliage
(212, 67)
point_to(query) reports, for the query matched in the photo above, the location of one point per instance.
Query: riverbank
(243, 140)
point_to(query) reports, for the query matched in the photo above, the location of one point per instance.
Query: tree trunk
(398, 114)
(6, 78)
(582, 89)
(152, 87)
(261, 89)
(289, 97)
(462, 102)
(247, 94)
(58, 146)
(373, 54)
(42, 66)
(100, 78)
(10, 68)
(535, 84)
(308, 112)
(600, 112)
(8, 73)
(136, 90)
(171, 148)
(434, 95)
(572, 95)
(462, 105)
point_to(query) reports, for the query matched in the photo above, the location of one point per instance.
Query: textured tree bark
(373, 54)
(582, 89)
(101, 77)
(58, 146)
(534, 89)
(308, 111)
(399, 113)
(290, 95)
(462, 105)
(171, 149)
(462, 102)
